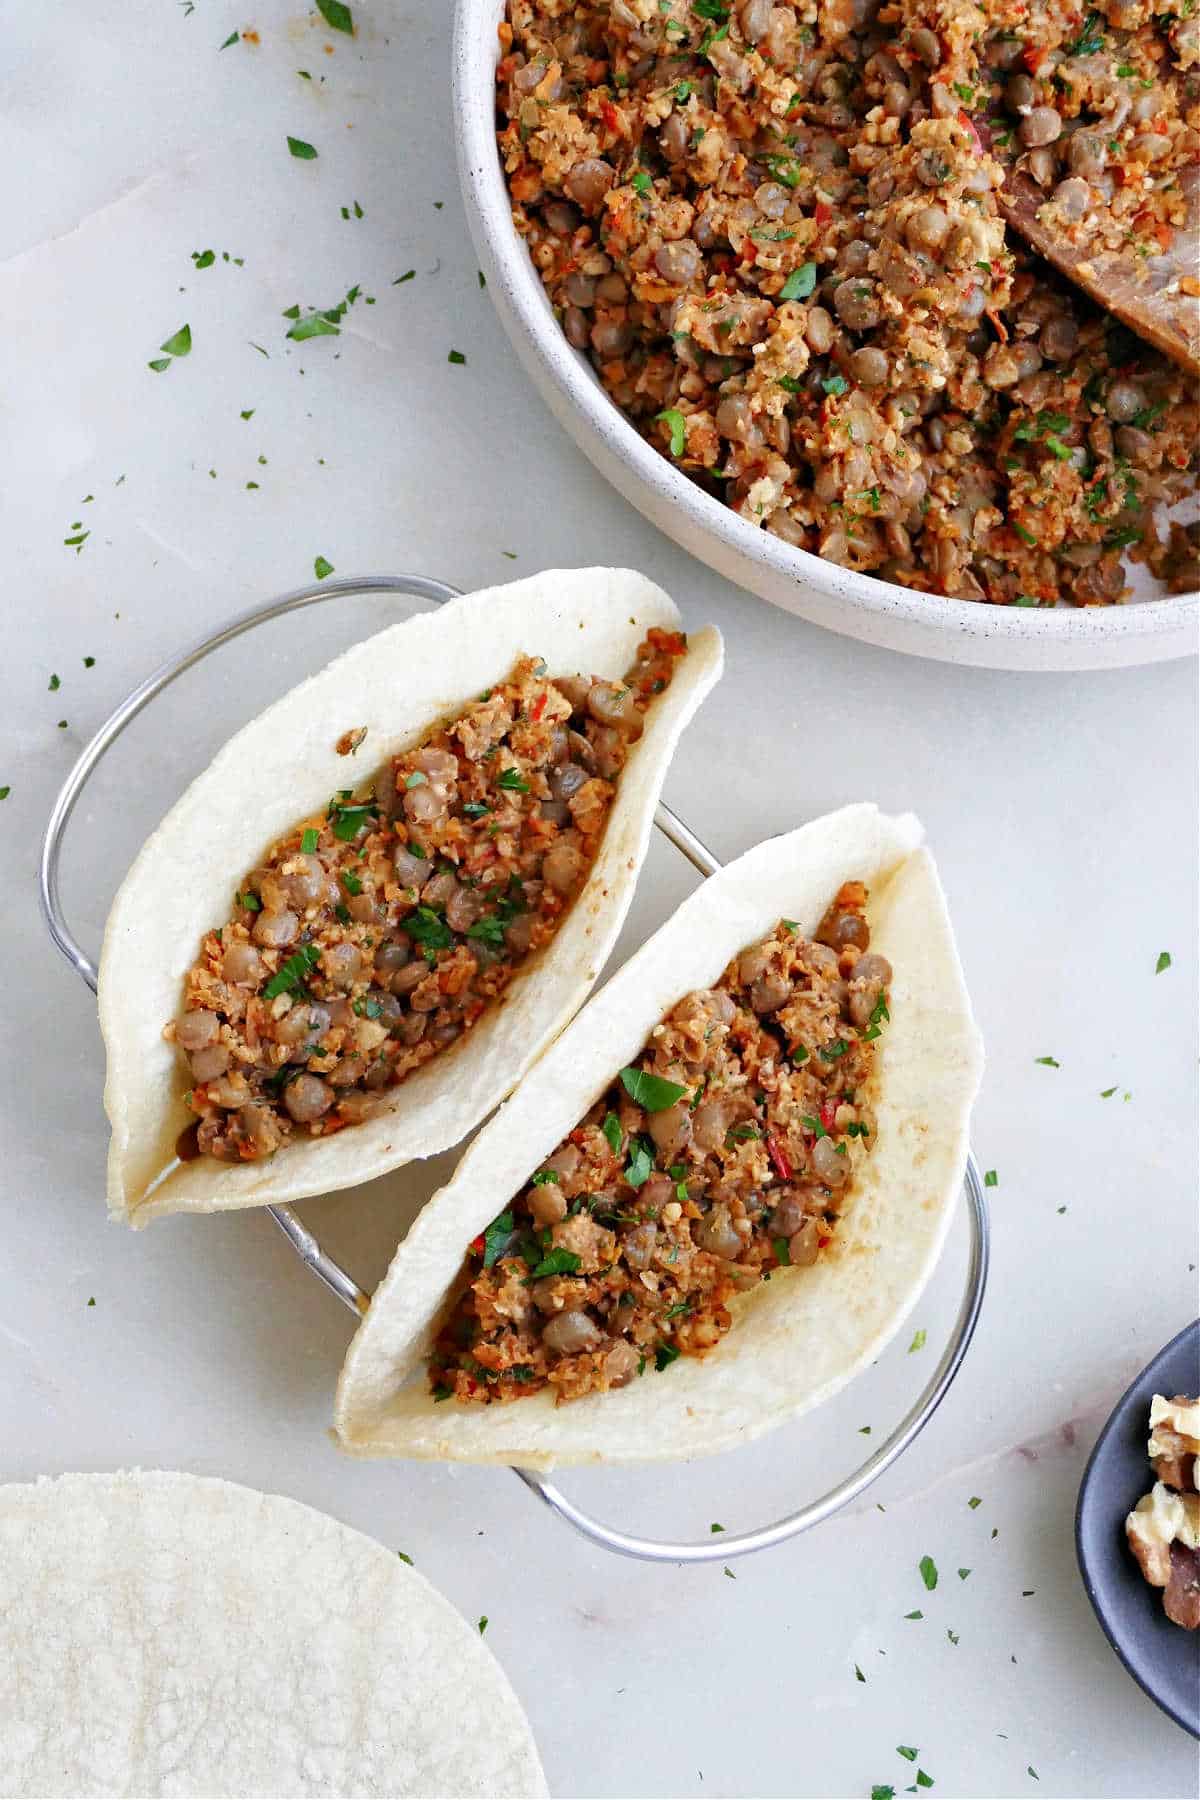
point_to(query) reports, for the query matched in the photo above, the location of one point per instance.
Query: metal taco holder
(307, 1247)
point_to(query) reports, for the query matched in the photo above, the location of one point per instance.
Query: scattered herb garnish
(612, 1131)
(557, 1262)
(1164, 961)
(918, 1342)
(290, 977)
(300, 149)
(640, 1163)
(456, 356)
(651, 1091)
(674, 419)
(512, 781)
(430, 930)
(800, 283)
(336, 15)
(1047, 1062)
(929, 1574)
(991, 1179)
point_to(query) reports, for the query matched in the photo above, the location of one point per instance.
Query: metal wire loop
(331, 1273)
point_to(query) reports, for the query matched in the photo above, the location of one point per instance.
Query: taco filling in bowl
(725, 1152)
(377, 932)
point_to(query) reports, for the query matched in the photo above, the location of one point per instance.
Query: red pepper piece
(778, 1156)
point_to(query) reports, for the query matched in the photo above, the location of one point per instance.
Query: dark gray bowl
(1162, 1658)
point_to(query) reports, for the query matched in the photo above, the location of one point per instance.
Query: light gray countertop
(1061, 809)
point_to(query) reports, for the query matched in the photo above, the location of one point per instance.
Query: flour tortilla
(283, 766)
(799, 1338)
(166, 1635)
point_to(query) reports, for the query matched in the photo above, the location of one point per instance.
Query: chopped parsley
(1047, 1062)
(430, 930)
(496, 1237)
(456, 356)
(557, 1262)
(512, 781)
(640, 181)
(290, 977)
(674, 419)
(651, 1091)
(300, 149)
(991, 1179)
(640, 1163)
(309, 841)
(835, 385)
(612, 1131)
(349, 820)
(918, 1342)
(1164, 962)
(800, 283)
(664, 1356)
(929, 1574)
(336, 16)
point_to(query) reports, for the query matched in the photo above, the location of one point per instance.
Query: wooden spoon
(1158, 297)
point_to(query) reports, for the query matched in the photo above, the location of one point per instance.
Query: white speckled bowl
(925, 625)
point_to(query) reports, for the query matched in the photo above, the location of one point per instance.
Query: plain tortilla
(283, 766)
(162, 1634)
(796, 1340)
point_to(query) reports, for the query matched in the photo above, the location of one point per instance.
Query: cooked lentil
(774, 228)
(372, 936)
(727, 1151)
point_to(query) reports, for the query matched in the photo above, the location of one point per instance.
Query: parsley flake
(674, 419)
(929, 1574)
(651, 1091)
(300, 149)
(800, 283)
(336, 16)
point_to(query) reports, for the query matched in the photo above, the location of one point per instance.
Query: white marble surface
(1062, 811)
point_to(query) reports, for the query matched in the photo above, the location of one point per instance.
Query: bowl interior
(1143, 630)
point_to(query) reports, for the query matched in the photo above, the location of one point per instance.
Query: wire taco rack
(342, 1285)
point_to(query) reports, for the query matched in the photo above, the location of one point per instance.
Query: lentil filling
(374, 935)
(724, 1153)
(777, 232)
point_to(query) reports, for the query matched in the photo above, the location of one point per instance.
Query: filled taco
(369, 916)
(716, 1197)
